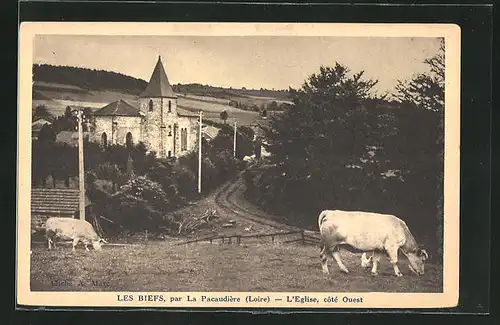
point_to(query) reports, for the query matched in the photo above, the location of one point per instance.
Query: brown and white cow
(72, 229)
(368, 232)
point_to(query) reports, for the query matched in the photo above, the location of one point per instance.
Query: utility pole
(199, 156)
(234, 140)
(81, 173)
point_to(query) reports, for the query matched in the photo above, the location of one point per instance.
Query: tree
(263, 113)
(117, 155)
(66, 122)
(312, 141)
(425, 90)
(42, 112)
(224, 116)
(46, 134)
(143, 160)
(420, 137)
(88, 117)
(110, 172)
(273, 106)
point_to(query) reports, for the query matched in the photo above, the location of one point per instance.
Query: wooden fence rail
(304, 239)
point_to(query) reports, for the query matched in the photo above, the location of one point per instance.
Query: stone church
(158, 122)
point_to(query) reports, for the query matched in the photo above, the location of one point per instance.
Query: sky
(272, 62)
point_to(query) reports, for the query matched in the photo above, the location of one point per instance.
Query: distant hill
(78, 80)
(87, 79)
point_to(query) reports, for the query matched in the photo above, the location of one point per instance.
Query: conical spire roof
(159, 86)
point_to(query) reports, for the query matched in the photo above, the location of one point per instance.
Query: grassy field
(165, 266)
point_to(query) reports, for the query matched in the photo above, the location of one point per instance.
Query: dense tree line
(341, 147)
(250, 105)
(228, 93)
(88, 78)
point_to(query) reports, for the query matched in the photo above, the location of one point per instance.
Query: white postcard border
(449, 296)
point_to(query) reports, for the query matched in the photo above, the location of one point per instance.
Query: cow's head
(417, 260)
(97, 244)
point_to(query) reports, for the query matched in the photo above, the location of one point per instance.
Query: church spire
(158, 85)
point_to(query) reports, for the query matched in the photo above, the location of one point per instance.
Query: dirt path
(231, 198)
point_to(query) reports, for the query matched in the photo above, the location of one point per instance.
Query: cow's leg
(75, 242)
(49, 241)
(336, 256)
(392, 252)
(48, 235)
(324, 260)
(375, 260)
(365, 261)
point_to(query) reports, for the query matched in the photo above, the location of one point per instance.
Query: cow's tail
(321, 219)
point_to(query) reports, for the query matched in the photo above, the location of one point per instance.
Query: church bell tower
(158, 105)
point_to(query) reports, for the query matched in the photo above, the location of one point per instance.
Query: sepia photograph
(238, 165)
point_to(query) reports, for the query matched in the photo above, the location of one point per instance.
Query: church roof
(158, 85)
(118, 108)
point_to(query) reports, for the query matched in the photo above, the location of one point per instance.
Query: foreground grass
(164, 266)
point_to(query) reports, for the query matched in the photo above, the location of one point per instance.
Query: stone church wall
(118, 134)
(189, 123)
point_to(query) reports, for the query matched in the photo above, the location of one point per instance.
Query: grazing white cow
(368, 232)
(72, 229)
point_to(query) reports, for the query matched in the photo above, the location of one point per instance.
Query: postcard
(238, 165)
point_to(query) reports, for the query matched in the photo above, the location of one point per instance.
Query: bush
(139, 205)
(143, 188)
(162, 174)
(226, 164)
(210, 177)
(186, 181)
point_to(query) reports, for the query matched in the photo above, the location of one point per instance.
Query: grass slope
(164, 266)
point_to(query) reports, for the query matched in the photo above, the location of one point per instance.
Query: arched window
(150, 105)
(128, 140)
(104, 140)
(169, 106)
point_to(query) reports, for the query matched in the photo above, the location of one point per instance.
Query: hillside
(76, 79)
(57, 87)
(87, 79)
